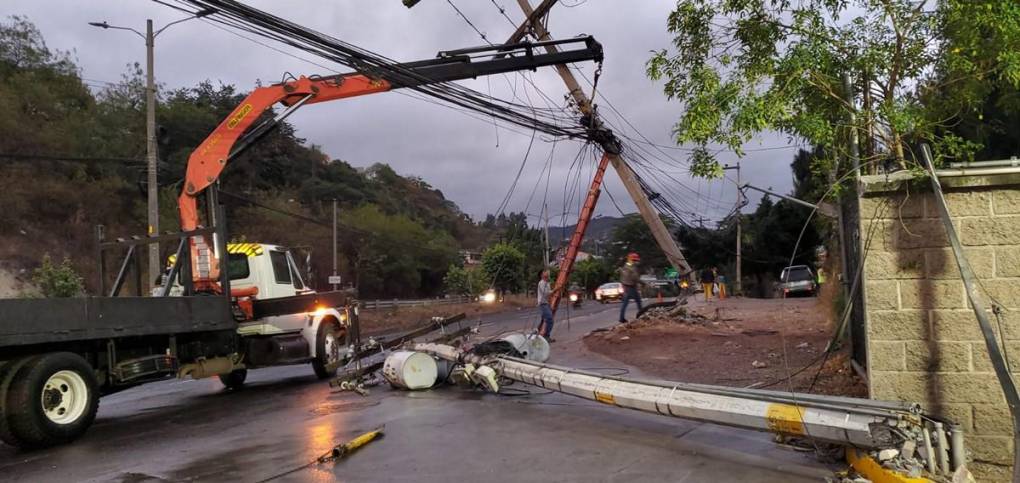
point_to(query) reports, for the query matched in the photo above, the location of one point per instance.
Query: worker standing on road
(720, 280)
(630, 278)
(707, 282)
(544, 309)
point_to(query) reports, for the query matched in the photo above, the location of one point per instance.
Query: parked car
(608, 292)
(797, 280)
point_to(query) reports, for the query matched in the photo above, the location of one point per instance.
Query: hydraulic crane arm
(238, 132)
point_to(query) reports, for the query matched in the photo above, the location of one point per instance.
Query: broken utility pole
(662, 235)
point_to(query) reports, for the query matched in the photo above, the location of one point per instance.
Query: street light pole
(740, 199)
(150, 130)
(150, 151)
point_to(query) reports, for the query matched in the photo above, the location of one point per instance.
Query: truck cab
(271, 271)
(265, 272)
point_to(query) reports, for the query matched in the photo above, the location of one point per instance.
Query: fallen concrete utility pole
(918, 441)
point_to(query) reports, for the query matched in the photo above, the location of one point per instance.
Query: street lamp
(150, 128)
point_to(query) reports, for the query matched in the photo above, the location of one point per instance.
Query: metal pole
(150, 138)
(335, 286)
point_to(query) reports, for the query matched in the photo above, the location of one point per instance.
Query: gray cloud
(453, 152)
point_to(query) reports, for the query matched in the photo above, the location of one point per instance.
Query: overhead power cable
(236, 15)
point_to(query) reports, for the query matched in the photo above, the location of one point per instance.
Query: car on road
(608, 292)
(797, 280)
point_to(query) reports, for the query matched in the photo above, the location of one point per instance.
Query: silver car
(797, 280)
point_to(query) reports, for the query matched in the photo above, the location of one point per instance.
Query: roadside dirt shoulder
(737, 342)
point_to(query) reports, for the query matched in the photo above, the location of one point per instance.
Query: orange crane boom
(238, 130)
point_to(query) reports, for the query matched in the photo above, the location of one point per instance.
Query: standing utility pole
(740, 204)
(155, 267)
(334, 280)
(150, 152)
(648, 213)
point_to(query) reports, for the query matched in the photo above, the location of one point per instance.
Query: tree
(741, 68)
(504, 266)
(633, 235)
(590, 273)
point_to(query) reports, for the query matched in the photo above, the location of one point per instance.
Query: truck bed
(37, 321)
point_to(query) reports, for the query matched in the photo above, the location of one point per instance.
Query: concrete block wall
(923, 339)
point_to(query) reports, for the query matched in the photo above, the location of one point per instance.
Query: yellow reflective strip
(785, 419)
(605, 398)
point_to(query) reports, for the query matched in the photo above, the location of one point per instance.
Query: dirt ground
(737, 342)
(375, 322)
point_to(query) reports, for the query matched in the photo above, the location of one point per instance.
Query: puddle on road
(342, 407)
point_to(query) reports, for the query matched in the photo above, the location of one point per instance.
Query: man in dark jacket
(707, 282)
(630, 278)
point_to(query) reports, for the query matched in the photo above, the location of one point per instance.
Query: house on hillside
(562, 252)
(471, 258)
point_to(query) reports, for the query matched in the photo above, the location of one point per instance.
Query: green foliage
(460, 280)
(504, 265)
(403, 236)
(744, 67)
(592, 272)
(58, 280)
(769, 236)
(633, 235)
(392, 254)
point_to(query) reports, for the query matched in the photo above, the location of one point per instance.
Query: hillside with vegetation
(72, 157)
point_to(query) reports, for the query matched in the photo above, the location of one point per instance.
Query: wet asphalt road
(285, 417)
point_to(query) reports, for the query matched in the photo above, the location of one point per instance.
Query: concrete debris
(888, 454)
(676, 313)
(803, 345)
(759, 365)
(625, 338)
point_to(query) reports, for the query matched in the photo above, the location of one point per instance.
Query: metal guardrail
(397, 303)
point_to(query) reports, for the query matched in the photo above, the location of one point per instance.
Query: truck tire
(53, 400)
(235, 379)
(329, 341)
(7, 373)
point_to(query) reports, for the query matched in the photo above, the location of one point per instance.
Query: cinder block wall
(923, 339)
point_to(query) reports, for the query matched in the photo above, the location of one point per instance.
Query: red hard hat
(633, 256)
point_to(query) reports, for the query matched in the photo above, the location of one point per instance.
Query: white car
(608, 292)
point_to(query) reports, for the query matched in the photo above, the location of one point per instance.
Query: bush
(58, 280)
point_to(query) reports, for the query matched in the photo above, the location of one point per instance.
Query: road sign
(334, 280)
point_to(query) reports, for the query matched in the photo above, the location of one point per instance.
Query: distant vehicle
(797, 280)
(488, 297)
(608, 292)
(576, 295)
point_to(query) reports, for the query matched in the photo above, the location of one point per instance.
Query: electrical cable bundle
(230, 13)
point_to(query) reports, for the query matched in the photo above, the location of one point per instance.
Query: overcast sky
(470, 160)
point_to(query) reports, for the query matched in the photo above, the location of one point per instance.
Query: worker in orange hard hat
(630, 278)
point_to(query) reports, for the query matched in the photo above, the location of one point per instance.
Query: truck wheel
(52, 400)
(235, 379)
(329, 342)
(7, 372)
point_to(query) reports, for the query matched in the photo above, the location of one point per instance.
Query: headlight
(573, 297)
(489, 297)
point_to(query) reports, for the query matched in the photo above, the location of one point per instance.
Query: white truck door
(284, 282)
